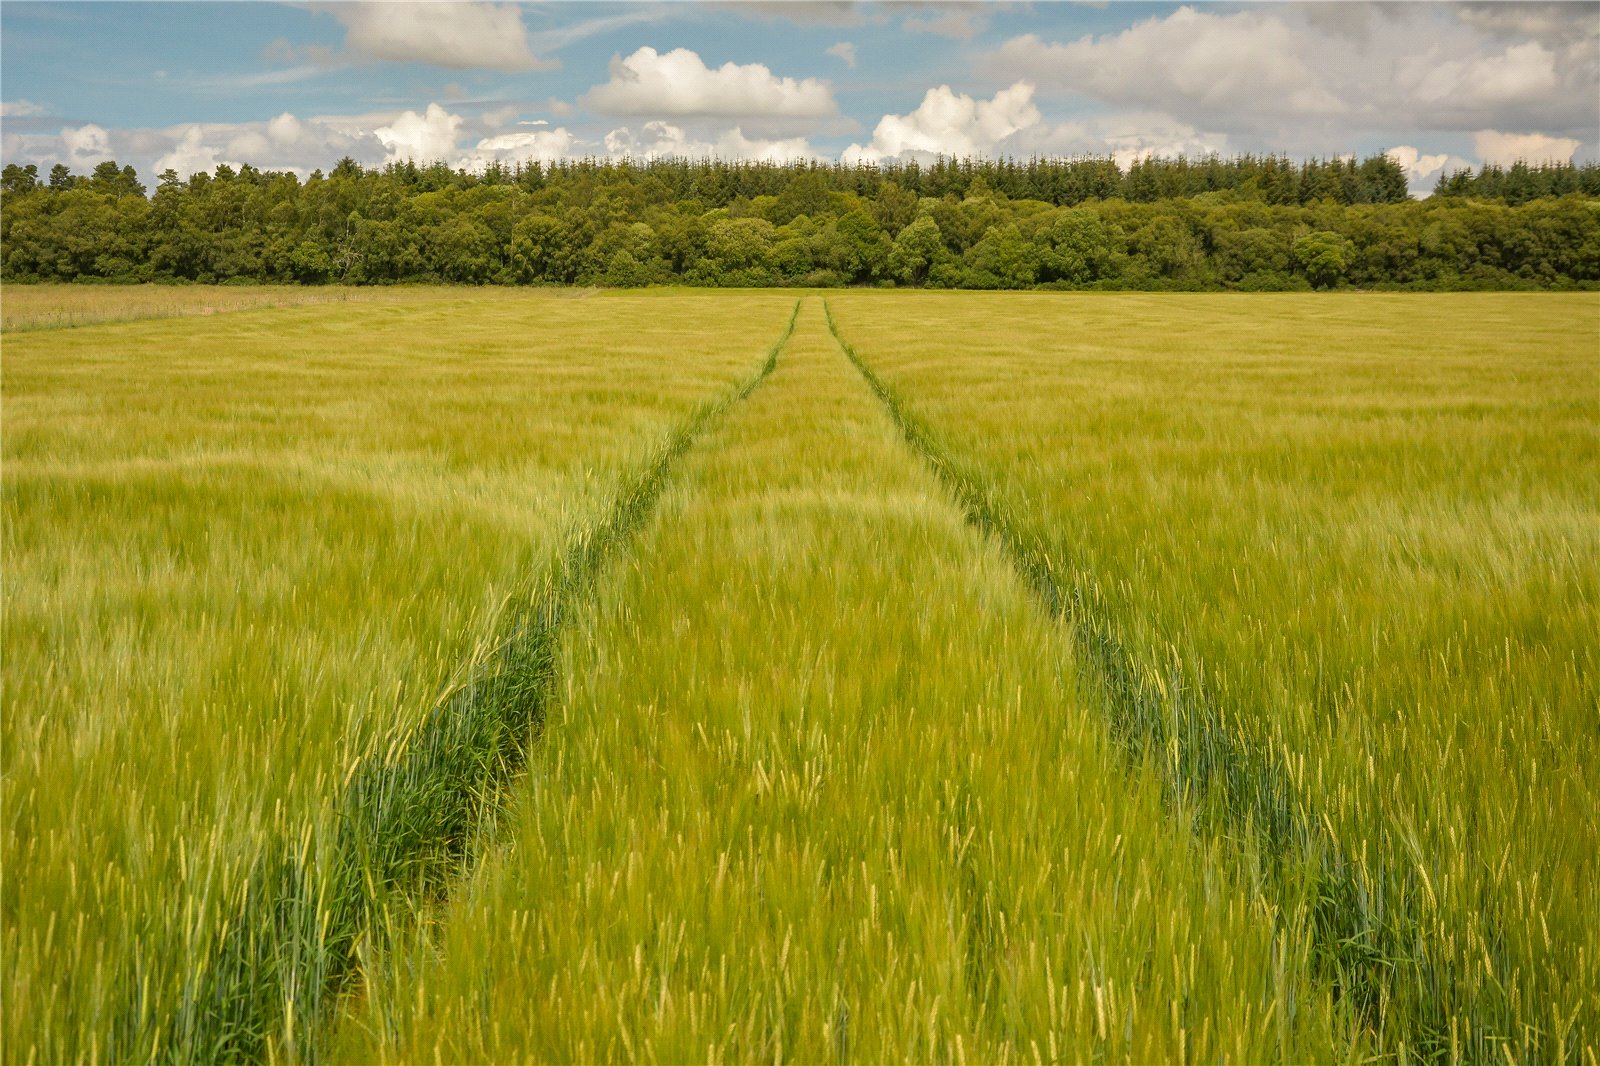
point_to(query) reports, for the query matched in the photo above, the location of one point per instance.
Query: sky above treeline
(297, 86)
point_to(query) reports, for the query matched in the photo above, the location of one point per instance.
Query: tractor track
(407, 817)
(1370, 930)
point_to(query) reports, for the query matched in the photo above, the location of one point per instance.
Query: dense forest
(1252, 222)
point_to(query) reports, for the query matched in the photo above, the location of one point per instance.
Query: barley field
(1338, 562)
(244, 554)
(452, 675)
(55, 306)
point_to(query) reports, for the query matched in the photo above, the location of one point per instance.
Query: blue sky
(297, 86)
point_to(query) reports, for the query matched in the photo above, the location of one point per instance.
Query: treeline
(1246, 223)
(1521, 183)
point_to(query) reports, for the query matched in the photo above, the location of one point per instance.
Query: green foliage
(1521, 182)
(1248, 223)
(1002, 259)
(917, 247)
(1079, 247)
(1324, 256)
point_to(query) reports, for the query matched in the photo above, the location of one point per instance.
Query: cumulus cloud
(954, 124)
(678, 83)
(735, 145)
(192, 155)
(1522, 73)
(543, 145)
(657, 139)
(950, 123)
(1124, 137)
(457, 35)
(1507, 148)
(1422, 171)
(1418, 167)
(1553, 23)
(86, 145)
(284, 142)
(285, 129)
(1298, 76)
(302, 144)
(653, 140)
(1515, 80)
(1352, 19)
(424, 137)
(1191, 60)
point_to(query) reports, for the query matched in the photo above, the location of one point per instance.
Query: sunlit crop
(1335, 561)
(457, 675)
(244, 555)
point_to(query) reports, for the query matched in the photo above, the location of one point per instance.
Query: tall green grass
(819, 788)
(1338, 561)
(407, 815)
(243, 556)
(491, 676)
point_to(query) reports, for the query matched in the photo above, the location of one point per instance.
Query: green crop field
(462, 675)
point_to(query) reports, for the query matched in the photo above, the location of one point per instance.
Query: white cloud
(678, 83)
(285, 142)
(28, 109)
(1422, 171)
(285, 129)
(1507, 148)
(425, 138)
(1352, 19)
(458, 35)
(86, 145)
(654, 139)
(1418, 167)
(1191, 61)
(950, 123)
(191, 155)
(1131, 137)
(543, 145)
(1551, 23)
(1315, 78)
(1523, 73)
(845, 52)
(657, 139)
(735, 145)
(1124, 137)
